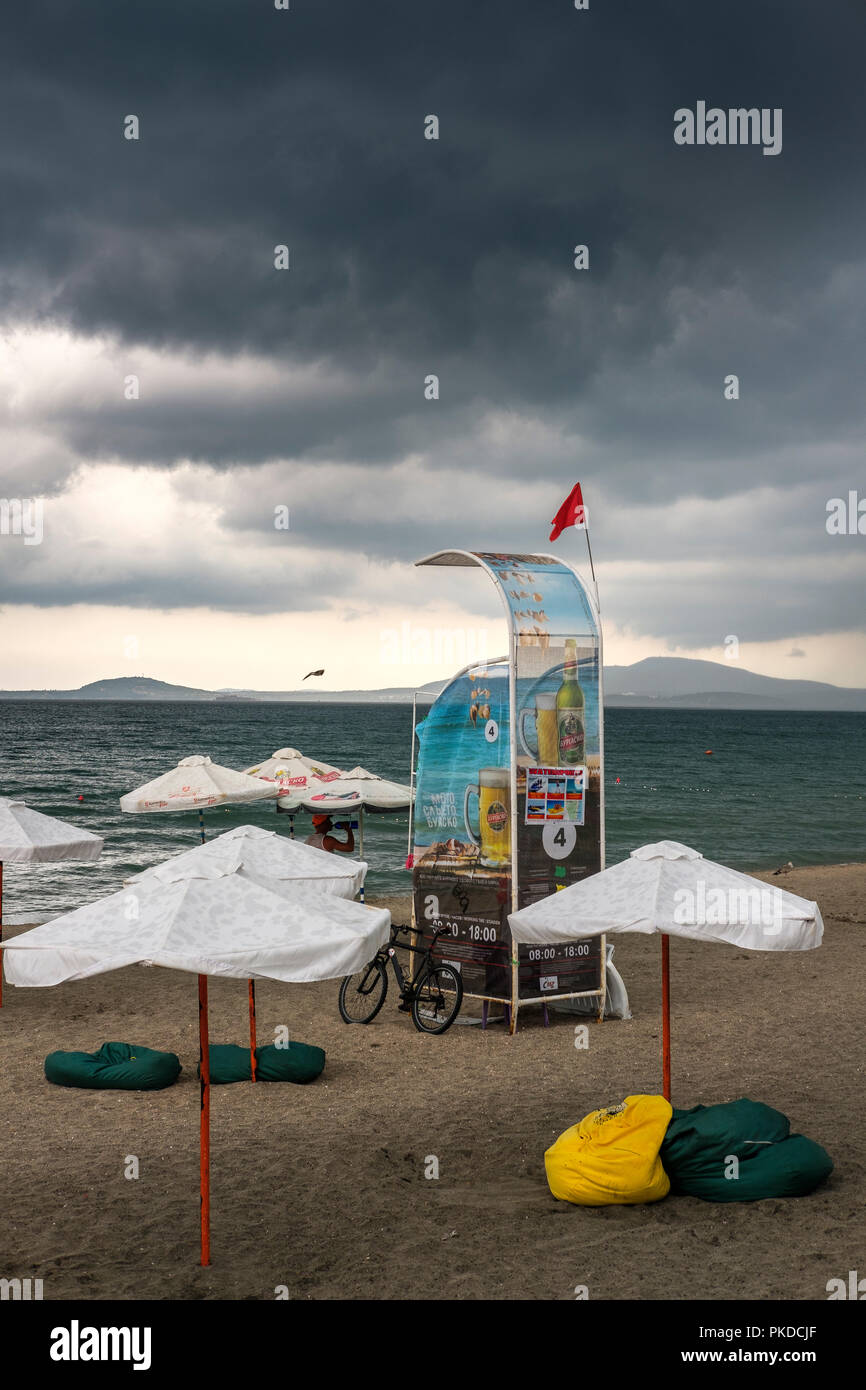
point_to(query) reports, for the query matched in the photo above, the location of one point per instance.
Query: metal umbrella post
(666, 1015)
(204, 1125)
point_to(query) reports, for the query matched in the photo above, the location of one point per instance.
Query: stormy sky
(303, 388)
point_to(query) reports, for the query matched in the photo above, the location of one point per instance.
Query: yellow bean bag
(612, 1155)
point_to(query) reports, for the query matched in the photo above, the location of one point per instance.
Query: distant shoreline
(680, 702)
(653, 683)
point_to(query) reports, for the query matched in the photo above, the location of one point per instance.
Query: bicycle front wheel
(438, 996)
(363, 994)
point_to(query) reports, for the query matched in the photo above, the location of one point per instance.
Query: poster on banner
(555, 794)
(558, 738)
(462, 847)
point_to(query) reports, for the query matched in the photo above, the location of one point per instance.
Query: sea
(753, 789)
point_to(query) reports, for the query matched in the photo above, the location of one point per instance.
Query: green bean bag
(116, 1066)
(700, 1146)
(297, 1061)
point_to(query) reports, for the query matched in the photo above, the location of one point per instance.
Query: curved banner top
(509, 790)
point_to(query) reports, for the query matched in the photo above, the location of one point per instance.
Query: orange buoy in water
(709, 751)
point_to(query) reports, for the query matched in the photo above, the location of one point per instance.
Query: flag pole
(574, 512)
(591, 565)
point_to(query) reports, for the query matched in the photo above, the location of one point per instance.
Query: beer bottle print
(569, 711)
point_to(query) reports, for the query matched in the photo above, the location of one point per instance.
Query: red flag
(571, 513)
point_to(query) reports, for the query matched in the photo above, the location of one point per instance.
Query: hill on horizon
(680, 679)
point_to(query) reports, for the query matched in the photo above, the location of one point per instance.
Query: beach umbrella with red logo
(356, 791)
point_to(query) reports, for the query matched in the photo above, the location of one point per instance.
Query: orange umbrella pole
(1, 933)
(252, 988)
(204, 1136)
(666, 1014)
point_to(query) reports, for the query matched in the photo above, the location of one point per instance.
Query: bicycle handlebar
(409, 929)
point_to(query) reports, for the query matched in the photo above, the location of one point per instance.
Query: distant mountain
(119, 688)
(144, 688)
(682, 681)
(136, 688)
(660, 682)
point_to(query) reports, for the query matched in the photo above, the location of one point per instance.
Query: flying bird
(314, 673)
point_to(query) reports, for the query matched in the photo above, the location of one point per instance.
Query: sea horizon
(778, 786)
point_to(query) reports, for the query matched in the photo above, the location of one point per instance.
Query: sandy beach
(322, 1188)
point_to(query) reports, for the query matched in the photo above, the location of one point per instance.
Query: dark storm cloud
(454, 257)
(306, 127)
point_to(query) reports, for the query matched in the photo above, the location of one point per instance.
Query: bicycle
(433, 995)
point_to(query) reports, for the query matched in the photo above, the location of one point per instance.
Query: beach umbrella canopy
(265, 856)
(215, 921)
(195, 784)
(358, 791)
(671, 889)
(27, 836)
(214, 924)
(292, 772)
(355, 790)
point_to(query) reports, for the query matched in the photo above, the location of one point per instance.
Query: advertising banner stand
(509, 803)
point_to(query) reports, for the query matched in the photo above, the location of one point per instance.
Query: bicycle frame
(405, 983)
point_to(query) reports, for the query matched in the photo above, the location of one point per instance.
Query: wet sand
(322, 1188)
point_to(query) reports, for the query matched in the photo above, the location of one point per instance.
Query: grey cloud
(454, 257)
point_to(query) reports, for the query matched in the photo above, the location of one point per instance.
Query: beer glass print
(494, 815)
(546, 732)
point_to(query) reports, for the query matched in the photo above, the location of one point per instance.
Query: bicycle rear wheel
(437, 1000)
(363, 994)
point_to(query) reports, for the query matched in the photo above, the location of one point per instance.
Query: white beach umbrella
(265, 856)
(221, 923)
(214, 922)
(671, 889)
(193, 785)
(27, 836)
(355, 790)
(358, 790)
(292, 772)
(294, 776)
